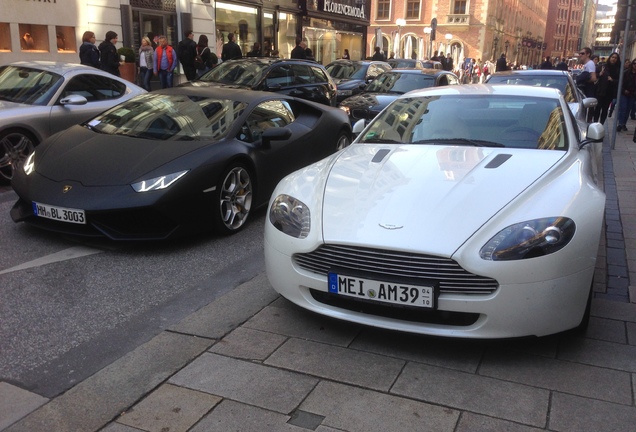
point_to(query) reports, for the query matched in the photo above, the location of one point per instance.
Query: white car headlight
(29, 164)
(529, 239)
(158, 183)
(290, 216)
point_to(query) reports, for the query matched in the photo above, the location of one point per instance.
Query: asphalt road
(70, 307)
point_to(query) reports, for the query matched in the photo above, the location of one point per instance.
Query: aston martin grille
(383, 264)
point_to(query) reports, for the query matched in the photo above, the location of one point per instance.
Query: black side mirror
(275, 134)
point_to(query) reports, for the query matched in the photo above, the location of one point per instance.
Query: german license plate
(388, 292)
(59, 213)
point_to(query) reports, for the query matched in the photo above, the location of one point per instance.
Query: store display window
(34, 37)
(5, 37)
(65, 39)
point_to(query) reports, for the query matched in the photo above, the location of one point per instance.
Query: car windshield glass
(472, 120)
(403, 64)
(400, 82)
(170, 117)
(26, 85)
(557, 82)
(242, 72)
(347, 70)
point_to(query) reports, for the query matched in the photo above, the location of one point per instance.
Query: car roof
(533, 72)
(272, 60)
(425, 71)
(358, 62)
(490, 89)
(60, 68)
(240, 94)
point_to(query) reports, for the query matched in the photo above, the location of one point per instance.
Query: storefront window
(5, 37)
(329, 43)
(34, 37)
(65, 38)
(237, 19)
(286, 34)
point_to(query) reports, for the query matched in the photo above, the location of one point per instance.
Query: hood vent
(380, 155)
(498, 160)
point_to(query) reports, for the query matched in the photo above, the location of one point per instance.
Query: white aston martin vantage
(460, 211)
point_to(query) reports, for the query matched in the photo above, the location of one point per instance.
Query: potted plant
(128, 69)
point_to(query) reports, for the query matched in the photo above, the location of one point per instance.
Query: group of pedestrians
(156, 57)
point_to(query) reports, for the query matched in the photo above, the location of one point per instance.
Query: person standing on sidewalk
(165, 62)
(108, 57)
(231, 50)
(187, 52)
(88, 52)
(146, 62)
(627, 94)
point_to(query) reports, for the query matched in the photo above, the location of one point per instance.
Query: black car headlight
(290, 216)
(529, 239)
(29, 164)
(158, 183)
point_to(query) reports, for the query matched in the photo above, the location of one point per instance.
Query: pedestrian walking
(502, 63)
(208, 58)
(607, 87)
(627, 96)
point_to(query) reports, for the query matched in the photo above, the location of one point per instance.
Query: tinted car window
(302, 74)
(169, 117)
(400, 82)
(320, 74)
(280, 75)
(266, 115)
(94, 88)
(27, 86)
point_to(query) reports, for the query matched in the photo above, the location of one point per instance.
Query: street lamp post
(495, 42)
(427, 33)
(400, 22)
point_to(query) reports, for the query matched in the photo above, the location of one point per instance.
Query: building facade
(467, 29)
(53, 29)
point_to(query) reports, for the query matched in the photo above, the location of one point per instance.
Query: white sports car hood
(423, 197)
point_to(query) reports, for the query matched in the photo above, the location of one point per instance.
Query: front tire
(233, 199)
(15, 147)
(344, 140)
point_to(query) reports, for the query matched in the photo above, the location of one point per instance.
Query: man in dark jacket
(547, 64)
(502, 64)
(108, 57)
(231, 50)
(299, 51)
(186, 53)
(377, 55)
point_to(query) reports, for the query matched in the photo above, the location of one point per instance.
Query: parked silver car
(40, 98)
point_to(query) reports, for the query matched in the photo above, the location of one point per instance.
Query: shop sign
(343, 9)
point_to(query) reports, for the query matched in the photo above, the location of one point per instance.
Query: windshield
(395, 82)
(347, 70)
(559, 82)
(27, 86)
(169, 117)
(240, 72)
(472, 120)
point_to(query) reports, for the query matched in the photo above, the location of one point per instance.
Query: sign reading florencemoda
(343, 9)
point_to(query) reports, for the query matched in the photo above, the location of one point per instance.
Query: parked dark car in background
(172, 162)
(304, 79)
(351, 77)
(389, 86)
(40, 98)
(414, 64)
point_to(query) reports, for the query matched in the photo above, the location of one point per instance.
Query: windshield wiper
(461, 141)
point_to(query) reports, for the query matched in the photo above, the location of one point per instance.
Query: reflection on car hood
(94, 159)
(417, 195)
(347, 83)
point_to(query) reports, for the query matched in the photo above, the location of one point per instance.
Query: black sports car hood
(371, 101)
(94, 159)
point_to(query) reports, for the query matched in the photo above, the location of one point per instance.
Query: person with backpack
(205, 59)
(186, 52)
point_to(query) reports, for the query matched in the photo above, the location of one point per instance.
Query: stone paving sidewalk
(252, 361)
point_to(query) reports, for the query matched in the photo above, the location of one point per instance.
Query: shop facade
(53, 29)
